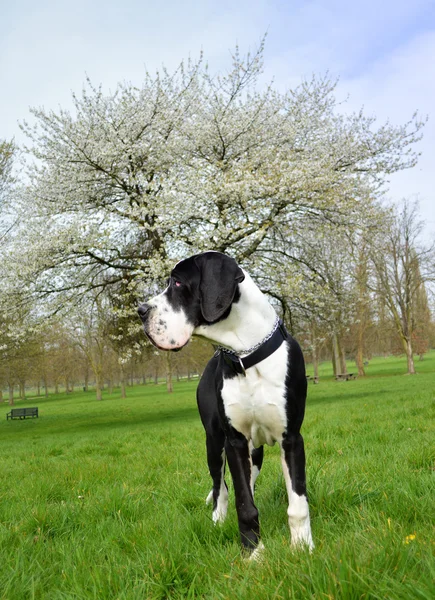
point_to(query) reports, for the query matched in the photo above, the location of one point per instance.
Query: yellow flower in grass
(410, 538)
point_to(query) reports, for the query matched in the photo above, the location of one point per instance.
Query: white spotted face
(199, 295)
(166, 326)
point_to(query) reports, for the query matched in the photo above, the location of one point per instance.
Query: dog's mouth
(160, 347)
(152, 341)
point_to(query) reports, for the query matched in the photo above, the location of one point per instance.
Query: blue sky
(382, 52)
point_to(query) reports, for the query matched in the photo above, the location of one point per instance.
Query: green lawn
(106, 499)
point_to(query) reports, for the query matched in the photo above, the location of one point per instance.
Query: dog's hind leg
(293, 465)
(216, 464)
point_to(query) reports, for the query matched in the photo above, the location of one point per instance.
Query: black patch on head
(185, 295)
(204, 287)
(220, 276)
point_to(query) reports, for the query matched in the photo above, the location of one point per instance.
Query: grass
(106, 499)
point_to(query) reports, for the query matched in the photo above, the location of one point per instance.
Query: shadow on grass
(71, 422)
(100, 415)
(346, 395)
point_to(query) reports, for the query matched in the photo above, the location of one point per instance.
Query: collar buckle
(242, 367)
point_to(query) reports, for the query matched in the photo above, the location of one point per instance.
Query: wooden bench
(22, 413)
(345, 376)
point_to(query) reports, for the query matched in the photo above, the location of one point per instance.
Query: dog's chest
(256, 404)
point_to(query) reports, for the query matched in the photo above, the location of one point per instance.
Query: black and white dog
(252, 391)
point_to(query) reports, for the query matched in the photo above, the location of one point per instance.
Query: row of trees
(111, 194)
(74, 355)
(60, 358)
(364, 286)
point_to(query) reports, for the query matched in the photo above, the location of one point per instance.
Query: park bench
(345, 376)
(22, 413)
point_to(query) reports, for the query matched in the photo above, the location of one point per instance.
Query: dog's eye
(176, 282)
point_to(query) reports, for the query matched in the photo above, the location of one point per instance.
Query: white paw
(302, 541)
(218, 516)
(209, 498)
(258, 554)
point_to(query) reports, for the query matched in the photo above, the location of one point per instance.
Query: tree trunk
(123, 389)
(335, 355)
(315, 352)
(38, 388)
(315, 364)
(362, 307)
(98, 386)
(410, 357)
(11, 394)
(44, 381)
(342, 357)
(169, 373)
(1, 395)
(359, 359)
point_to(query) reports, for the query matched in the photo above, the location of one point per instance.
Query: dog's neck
(250, 320)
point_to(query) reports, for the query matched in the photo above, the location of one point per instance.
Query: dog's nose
(143, 310)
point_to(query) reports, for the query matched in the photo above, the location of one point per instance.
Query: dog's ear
(219, 277)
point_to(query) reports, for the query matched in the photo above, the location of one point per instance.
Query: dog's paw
(258, 554)
(219, 515)
(303, 544)
(301, 538)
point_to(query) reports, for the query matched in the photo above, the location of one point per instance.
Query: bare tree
(403, 265)
(90, 332)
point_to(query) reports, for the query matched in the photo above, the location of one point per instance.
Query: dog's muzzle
(143, 311)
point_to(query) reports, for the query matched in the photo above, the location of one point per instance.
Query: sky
(381, 52)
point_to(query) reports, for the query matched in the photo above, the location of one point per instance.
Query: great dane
(252, 391)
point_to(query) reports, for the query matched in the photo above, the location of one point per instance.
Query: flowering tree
(189, 161)
(15, 329)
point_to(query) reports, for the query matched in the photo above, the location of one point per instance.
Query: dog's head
(200, 291)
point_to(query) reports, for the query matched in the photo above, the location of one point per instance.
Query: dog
(252, 391)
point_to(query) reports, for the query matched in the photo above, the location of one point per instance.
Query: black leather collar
(239, 364)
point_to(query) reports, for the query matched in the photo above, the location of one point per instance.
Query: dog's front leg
(239, 461)
(256, 463)
(293, 464)
(216, 464)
